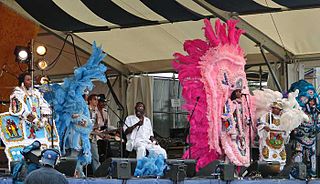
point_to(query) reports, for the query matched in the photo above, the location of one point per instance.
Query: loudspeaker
(209, 170)
(217, 169)
(122, 168)
(268, 168)
(264, 168)
(190, 165)
(176, 172)
(299, 170)
(226, 172)
(179, 169)
(67, 166)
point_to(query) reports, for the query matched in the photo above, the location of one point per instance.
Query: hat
(102, 98)
(86, 92)
(277, 104)
(49, 157)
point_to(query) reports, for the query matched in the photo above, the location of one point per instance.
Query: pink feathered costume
(212, 70)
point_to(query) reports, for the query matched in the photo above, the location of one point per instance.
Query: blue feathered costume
(70, 109)
(306, 134)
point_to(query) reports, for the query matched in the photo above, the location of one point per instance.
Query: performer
(71, 109)
(235, 123)
(277, 117)
(29, 104)
(212, 70)
(139, 132)
(272, 138)
(305, 136)
(93, 102)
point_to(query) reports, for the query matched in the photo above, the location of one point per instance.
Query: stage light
(41, 50)
(23, 54)
(42, 64)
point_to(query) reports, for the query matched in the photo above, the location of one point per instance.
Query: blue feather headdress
(307, 92)
(67, 100)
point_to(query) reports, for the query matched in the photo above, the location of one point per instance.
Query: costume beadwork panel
(17, 132)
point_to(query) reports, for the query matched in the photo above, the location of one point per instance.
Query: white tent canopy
(150, 48)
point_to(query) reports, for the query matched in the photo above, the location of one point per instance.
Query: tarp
(145, 33)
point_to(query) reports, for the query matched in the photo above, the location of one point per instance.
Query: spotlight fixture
(41, 50)
(42, 64)
(23, 54)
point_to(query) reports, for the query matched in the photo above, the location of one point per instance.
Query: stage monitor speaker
(265, 169)
(209, 170)
(190, 165)
(268, 168)
(299, 170)
(122, 168)
(67, 166)
(180, 169)
(176, 172)
(217, 169)
(226, 171)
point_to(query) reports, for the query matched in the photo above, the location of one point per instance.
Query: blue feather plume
(67, 100)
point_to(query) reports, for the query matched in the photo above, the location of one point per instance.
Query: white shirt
(141, 133)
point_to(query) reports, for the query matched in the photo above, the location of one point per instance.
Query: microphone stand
(51, 117)
(189, 125)
(121, 122)
(250, 127)
(116, 115)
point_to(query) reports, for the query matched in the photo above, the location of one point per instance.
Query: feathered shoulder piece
(292, 115)
(210, 71)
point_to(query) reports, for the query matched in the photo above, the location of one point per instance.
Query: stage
(167, 181)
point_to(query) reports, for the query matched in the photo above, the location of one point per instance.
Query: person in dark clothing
(47, 174)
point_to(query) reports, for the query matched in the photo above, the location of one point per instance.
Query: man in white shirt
(139, 132)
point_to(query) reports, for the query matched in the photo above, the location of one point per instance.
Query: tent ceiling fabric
(172, 10)
(241, 6)
(111, 12)
(157, 43)
(50, 11)
(298, 3)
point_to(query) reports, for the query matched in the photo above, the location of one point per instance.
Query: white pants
(142, 147)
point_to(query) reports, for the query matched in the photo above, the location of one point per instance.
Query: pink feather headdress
(211, 70)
